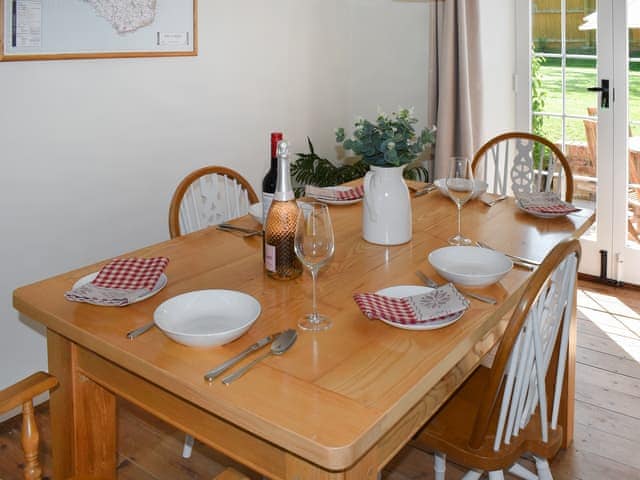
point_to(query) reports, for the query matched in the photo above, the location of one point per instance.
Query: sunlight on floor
(619, 321)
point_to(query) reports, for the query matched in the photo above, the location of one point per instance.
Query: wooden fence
(547, 27)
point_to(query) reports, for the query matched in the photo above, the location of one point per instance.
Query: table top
(335, 393)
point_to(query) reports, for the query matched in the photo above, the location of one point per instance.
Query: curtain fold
(455, 100)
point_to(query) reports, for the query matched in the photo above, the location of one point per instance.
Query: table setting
(544, 205)
(337, 195)
(121, 282)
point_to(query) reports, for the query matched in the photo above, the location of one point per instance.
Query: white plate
(205, 318)
(540, 214)
(470, 266)
(339, 188)
(479, 187)
(160, 284)
(255, 211)
(400, 291)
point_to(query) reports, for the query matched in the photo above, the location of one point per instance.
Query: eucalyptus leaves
(390, 142)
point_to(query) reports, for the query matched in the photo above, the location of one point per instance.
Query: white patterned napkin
(426, 307)
(545, 202)
(110, 297)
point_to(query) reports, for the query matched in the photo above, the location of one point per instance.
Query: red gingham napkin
(131, 273)
(121, 282)
(426, 307)
(335, 194)
(545, 202)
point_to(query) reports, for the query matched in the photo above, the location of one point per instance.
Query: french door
(578, 84)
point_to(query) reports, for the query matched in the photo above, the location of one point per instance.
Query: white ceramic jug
(386, 216)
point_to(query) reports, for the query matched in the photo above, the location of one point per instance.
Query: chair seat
(449, 431)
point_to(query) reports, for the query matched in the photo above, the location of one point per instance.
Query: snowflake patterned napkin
(324, 193)
(426, 307)
(120, 282)
(545, 202)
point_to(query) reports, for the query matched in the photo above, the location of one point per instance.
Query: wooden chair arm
(25, 390)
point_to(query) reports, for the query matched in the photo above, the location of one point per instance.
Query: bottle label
(270, 257)
(267, 198)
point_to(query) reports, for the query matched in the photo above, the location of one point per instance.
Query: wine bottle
(280, 259)
(269, 180)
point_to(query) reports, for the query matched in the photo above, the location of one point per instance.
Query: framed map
(65, 29)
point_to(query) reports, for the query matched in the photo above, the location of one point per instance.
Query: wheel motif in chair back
(522, 173)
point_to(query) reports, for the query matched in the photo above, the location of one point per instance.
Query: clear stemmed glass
(460, 187)
(314, 246)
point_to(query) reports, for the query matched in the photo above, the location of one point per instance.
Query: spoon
(280, 345)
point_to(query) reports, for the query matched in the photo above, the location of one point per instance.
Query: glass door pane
(576, 45)
(564, 65)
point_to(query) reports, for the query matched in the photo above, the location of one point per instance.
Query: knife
(212, 374)
(520, 261)
(228, 226)
(140, 330)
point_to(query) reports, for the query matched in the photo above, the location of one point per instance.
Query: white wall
(391, 51)
(92, 150)
(497, 20)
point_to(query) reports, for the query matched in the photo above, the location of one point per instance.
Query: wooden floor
(607, 436)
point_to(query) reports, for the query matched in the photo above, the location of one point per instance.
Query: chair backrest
(520, 381)
(591, 132)
(521, 162)
(209, 196)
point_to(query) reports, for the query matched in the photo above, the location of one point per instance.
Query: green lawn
(579, 76)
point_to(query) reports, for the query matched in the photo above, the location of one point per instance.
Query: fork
(493, 201)
(433, 284)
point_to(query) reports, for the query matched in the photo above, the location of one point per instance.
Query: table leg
(89, 450)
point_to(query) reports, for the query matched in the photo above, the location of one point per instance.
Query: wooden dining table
(340, 403)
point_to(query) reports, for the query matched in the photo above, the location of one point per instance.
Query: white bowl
(479, 187)
(470, 266)
(255, 210)
(206, 318)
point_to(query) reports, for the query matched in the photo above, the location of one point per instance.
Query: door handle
(604, 92)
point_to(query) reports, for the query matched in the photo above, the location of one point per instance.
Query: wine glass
(314, 246)
(460, 187)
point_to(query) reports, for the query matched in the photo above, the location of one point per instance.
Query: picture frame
(89, 29)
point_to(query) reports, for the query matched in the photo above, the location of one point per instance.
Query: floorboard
(607, 414)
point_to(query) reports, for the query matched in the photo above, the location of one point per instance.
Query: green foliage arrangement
(310, 169)
(537, 94)
(389, 142)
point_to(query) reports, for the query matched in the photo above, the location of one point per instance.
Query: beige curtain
(455, 102)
